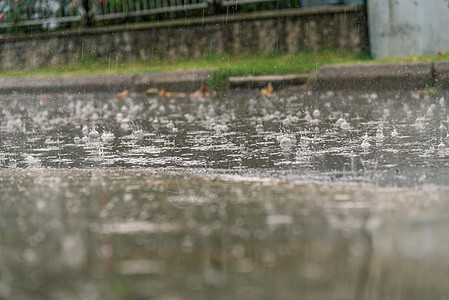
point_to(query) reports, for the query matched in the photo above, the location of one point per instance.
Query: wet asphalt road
(321, 196)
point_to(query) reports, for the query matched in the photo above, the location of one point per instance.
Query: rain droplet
(379, 134)
(394, 133)
(345, 125)
(339, 122)
(85, 130)
(285, 141)
(137, 134)
(170, 125)
(365, 144)
(32, 162)
(221, 128)
(93, 134)
(308, 117)
(107, 137)
(420, 122)
(430, 110)
(446, 139)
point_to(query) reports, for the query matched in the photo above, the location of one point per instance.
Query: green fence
(17, 16)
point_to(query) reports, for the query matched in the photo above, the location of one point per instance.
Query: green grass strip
(229, 65)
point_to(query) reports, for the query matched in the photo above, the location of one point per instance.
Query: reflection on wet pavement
(114, 234)
(282, 197)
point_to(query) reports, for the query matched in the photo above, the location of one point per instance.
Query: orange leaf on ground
(121, 95)
(267, 91)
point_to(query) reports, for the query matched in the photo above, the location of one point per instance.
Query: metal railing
(47, 13)
(108, 10)
(241, 2)
(52, 14)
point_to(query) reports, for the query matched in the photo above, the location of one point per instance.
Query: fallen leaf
(202, 92)
(165, 94)
(46, 96)
(267, 91)
(418, 92)
(152, 91)
(121, 95)
(180, 95)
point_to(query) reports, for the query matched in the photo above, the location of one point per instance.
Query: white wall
(400, 28)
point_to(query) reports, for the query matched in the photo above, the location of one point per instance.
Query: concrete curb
(278, 81)
(374, 77)
(368, 77)
(359, 77)
(441, 72)
(180, 81)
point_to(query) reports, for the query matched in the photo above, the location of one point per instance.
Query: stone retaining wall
(283, 31)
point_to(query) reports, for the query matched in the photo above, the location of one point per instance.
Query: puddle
(386, 139)
(116, 234)
(324, 196)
